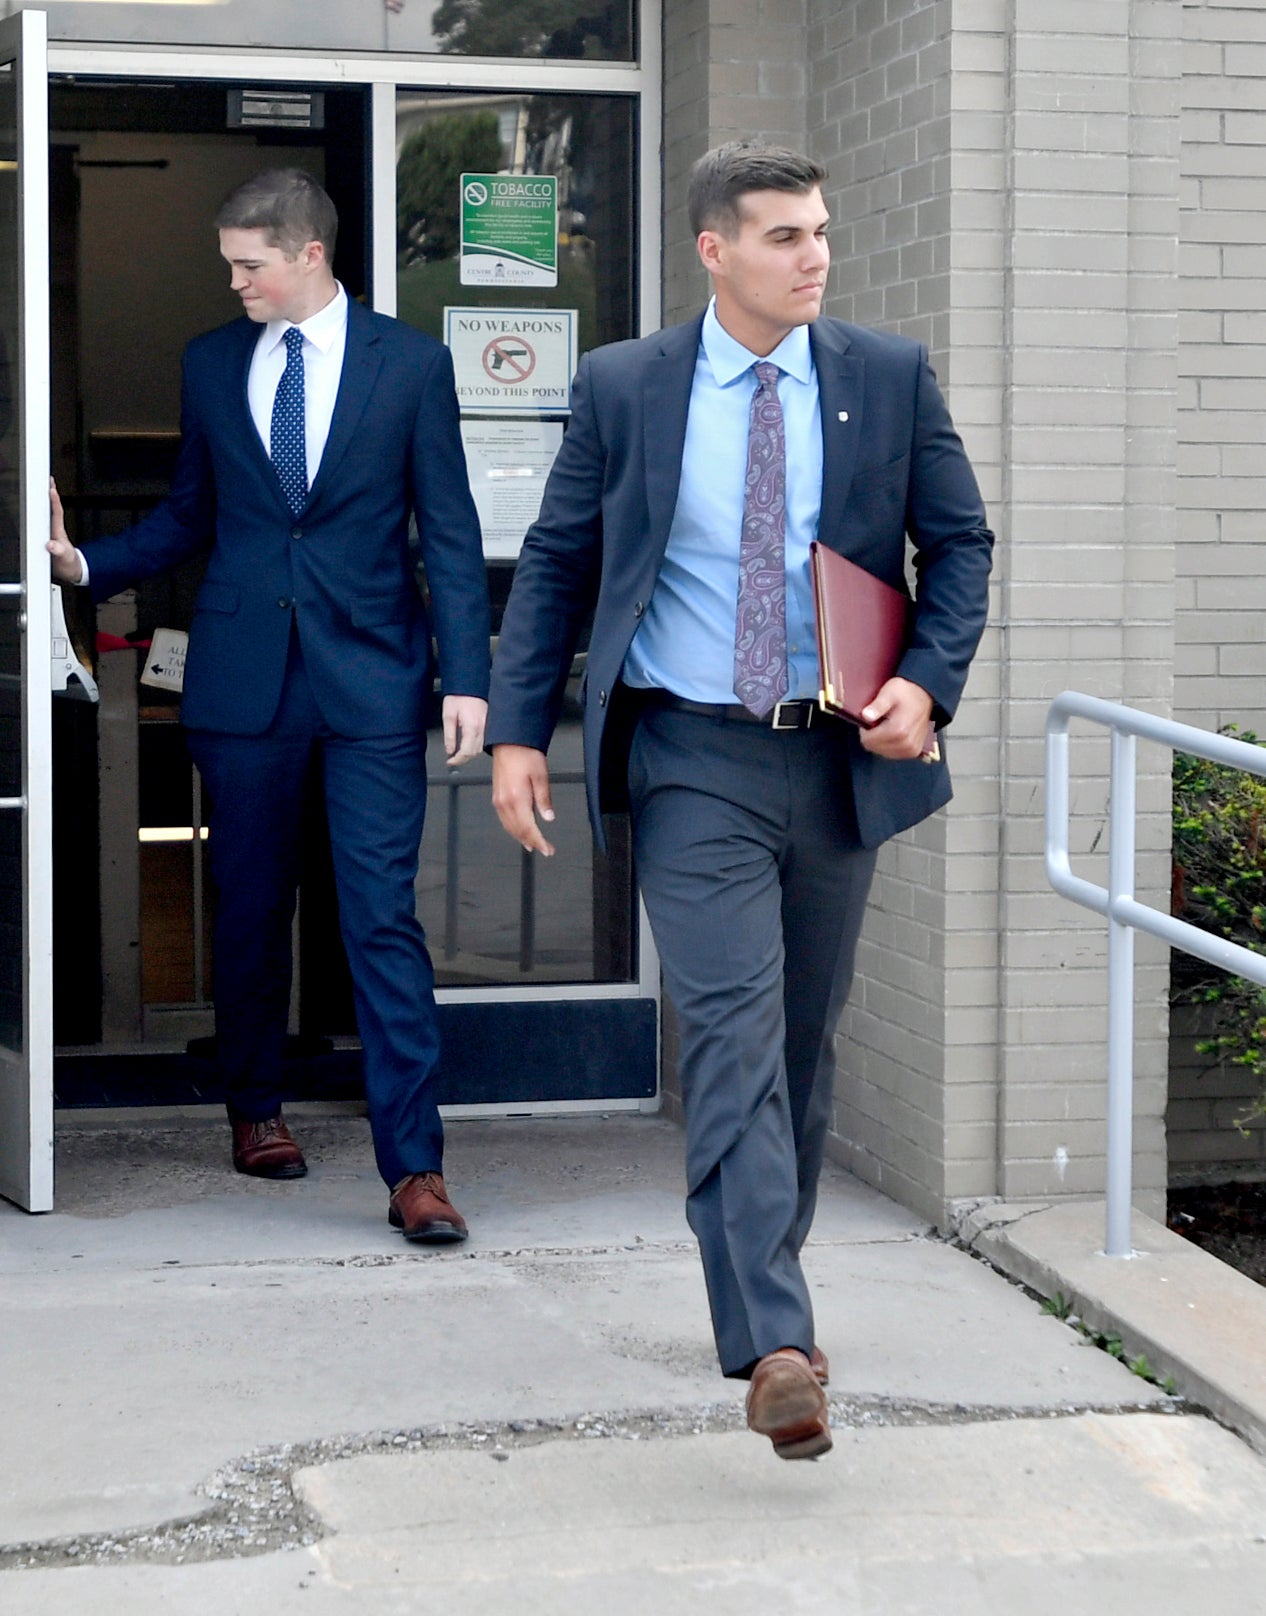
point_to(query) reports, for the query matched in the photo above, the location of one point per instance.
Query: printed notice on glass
(508, 462)
(512, 361)
(509, 230)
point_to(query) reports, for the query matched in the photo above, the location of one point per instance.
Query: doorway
(137, 170)
(543, 998)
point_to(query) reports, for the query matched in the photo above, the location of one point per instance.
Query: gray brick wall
(733, 69)
(1038, 147)
(1004, 181)
(1086, 582)
(1220, 673)
(687, 135)
(879, 120)
(1206, 1101)
(878, 117)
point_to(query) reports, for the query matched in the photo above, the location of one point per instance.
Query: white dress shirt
(324, 338)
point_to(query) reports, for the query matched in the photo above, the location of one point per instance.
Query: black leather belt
(785, 715)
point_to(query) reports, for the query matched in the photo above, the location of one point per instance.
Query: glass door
(26, 969)
(558, 171)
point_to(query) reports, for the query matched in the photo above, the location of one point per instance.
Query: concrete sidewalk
(224, 1395)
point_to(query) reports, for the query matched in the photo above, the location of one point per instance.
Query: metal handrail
(1116, 901)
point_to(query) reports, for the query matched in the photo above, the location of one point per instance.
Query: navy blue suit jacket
(343, 569)
(893, 468)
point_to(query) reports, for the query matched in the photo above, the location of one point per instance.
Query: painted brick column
(1005, 177)
(733, 69)
(1087, 575)
(1004, 184)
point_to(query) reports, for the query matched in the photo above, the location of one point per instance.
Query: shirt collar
(320, 329)
(729, 358)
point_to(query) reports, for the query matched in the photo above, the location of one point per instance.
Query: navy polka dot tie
(288, 444)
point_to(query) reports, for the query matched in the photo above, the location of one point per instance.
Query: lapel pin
(843, 415)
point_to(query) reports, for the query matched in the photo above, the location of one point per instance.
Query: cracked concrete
(1192, 1317)
(205, 1373)
(254, 1506)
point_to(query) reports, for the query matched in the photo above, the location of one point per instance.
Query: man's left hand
(900, 715)
(464, 720)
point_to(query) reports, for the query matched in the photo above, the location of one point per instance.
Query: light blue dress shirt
(685, 640)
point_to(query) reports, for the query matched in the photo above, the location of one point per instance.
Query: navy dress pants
(375, 799)
(748, 859)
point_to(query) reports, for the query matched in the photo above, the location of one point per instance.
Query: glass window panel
(586, 141)
(561, 30)
(493, 916)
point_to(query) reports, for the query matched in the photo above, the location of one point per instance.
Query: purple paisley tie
(760, 631)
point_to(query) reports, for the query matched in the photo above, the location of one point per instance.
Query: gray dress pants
(748, 859)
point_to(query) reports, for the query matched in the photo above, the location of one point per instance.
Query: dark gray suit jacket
(893, 468)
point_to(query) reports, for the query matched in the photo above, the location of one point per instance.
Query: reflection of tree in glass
(428, 176)
(553, 28)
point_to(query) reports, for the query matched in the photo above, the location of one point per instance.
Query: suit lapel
(249, 338)
(665, 406)
(841, 378)
(362, 359)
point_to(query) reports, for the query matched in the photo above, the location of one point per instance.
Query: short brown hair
(725, 174)
(288, 204)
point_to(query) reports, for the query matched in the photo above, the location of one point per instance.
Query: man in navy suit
(312, 431)
(698, 465)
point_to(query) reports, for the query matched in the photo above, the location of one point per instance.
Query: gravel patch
(252, 1508)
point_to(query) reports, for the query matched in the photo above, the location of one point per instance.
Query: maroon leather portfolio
(863, 625)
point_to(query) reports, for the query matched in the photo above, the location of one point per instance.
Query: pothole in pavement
(253, 1509)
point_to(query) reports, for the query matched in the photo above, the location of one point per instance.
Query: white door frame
(26, 1073)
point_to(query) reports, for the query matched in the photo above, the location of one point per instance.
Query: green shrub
(1220, 885)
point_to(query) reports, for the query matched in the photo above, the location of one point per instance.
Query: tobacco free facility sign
(509, 230)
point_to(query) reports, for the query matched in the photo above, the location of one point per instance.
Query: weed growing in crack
(1060, 1307)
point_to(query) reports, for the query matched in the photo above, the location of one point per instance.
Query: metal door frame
(26, 1076)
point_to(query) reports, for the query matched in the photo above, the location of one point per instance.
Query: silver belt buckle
(777, 723)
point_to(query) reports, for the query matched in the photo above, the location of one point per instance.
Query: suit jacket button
(602, 698)
(283, 603)
(638, 609)
(296, 532)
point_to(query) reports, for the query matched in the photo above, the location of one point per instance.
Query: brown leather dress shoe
(820, 1367)
(266, 1150)
(786, 1403)
(421, 1210)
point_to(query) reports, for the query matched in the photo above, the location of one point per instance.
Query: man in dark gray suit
(697, 467)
